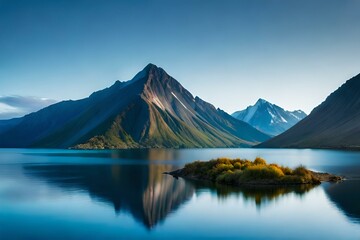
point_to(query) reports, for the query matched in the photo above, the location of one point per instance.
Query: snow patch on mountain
(283, 119)
(268, 117)
(295, 116)
(179, 101)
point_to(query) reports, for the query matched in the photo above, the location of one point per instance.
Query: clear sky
(230, 53)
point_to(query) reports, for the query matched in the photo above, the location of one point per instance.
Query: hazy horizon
(229, 53)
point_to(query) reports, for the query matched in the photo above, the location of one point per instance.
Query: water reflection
(141, 190)
(144, 191)
(346, 196)
(260, 195)
(47, 191)
(148, 154)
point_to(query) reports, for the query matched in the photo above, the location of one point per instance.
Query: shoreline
(323, 177)
(238, 172)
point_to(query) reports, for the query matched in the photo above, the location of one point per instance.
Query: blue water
(70, 194)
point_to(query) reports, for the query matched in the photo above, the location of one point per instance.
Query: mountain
(151, 110)
(335, 123)
(269, 118)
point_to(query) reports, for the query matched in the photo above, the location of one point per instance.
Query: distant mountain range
(269, 118)
(151, 110)
(335, 123)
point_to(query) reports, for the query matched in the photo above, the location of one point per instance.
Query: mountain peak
(268, 117)
(150, 69)
(261, 101)
(152, 110)
(151, 65)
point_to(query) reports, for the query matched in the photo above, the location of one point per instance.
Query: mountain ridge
(269, 118)
(150, 110)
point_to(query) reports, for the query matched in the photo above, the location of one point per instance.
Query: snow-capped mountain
(269, 118)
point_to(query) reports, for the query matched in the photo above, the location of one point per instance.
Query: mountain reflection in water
(346, 196)
(143, 190)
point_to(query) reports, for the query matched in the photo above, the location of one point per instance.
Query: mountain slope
(335, 123)
(269, 118)
(151, 110)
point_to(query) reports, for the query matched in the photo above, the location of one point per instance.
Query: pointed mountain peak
(151, 75)
(261, 101)
(269, 117)
(151, 111)
(152, 68)
(151, 71)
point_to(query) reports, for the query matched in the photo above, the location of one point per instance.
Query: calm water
(68, 194)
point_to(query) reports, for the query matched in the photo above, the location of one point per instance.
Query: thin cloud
(18, 106)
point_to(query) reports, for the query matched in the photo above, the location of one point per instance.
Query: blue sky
(230, 53)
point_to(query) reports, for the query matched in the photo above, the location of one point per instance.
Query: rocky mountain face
(151, 110)
(335, 123)
(269, 118)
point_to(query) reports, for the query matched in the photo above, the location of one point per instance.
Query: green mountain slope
(151, 110)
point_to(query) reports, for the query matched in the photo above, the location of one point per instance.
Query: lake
(78, 194)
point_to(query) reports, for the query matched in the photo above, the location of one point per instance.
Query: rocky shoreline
(327, 177)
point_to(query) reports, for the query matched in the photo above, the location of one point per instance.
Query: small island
(238, 172)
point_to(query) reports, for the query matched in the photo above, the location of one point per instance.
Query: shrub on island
(239, 172)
